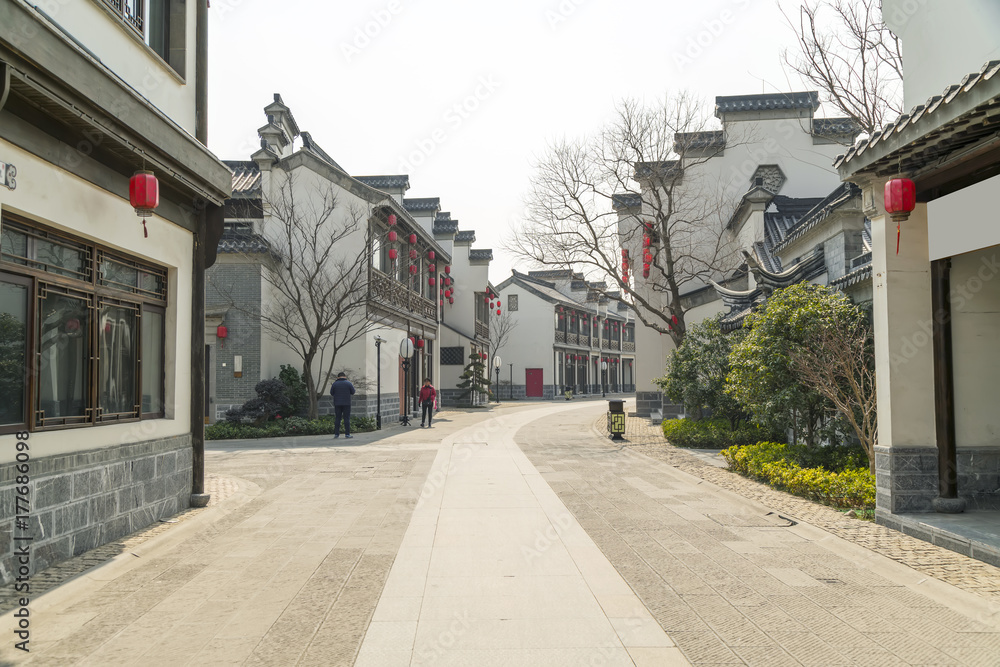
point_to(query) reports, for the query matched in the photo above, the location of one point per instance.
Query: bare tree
(839, 364)
(648, 157)
(501, 328)
(846, 50)
(317, 272)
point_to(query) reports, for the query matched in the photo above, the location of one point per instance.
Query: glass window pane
(60, 259)
(64, 350)
(152, 361)
(13, 351)
(118, 362)
(121, 276)
(14, 245)
(151, 283)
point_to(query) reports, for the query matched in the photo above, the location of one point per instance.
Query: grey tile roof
(445, 226)
(466, 236)
(766, 102)
(389, 181)
(777, 225)
(284, 107)
(246, 178)
(859, 275)
(834, 127)
(627, 200)
(962, 115)
(664, 169)
(443, 215)
(237, 242)
(552, 274)
(481, 254)
(844, 193)
(310, 145)
(696, 140)
(422, 204)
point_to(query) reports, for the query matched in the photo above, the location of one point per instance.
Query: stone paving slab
(732, 586)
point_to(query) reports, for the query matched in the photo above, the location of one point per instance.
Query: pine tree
(474, 379)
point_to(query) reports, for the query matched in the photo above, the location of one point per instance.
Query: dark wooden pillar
(944, 389)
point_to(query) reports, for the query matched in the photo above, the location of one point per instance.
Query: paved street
(514, 537)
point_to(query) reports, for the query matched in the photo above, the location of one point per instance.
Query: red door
(533, 382)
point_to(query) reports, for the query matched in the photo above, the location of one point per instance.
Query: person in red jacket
(427, 396)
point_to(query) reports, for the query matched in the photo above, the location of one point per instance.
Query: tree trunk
(311, 388)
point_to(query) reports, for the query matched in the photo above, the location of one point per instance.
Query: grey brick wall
(227, 284)
(906, 478)
(83, 500)
(647, 401)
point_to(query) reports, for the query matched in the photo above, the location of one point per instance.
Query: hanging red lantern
(413, 239)
(645, 268)
(393, 254)
(420, 343)
(441, 302)
(646, 241)
(431, 281)
(391, 219)
(430, 255)
(482, 355)
(561, 318)
(447, 281)
(498, 303)
(144, 195)
(498, 311)
(221, 332)
(648, 258)
(413, 254)
(432, 268)
(447, 268)
(451, 300)
(900, 199)
(645, 273)
(392, 236)
(492, 306)
(413, 270)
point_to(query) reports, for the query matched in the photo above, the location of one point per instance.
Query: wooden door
(533, 382)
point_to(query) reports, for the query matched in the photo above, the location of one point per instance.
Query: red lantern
(144, 195)
(646, 241)
(441, 302)
(900, 199)
(498, 311)
(431, 268)
(413, 239)
(624, 253)
(447, 281)
(420, 343)
(482, 355)
(221, 332)
(431, 281)
(430, 255)
(447, 268)
(451, 300)
(392, 236)
(561, 318)
(498, 303)
(648, 258)
(391, 219)
(645, 269)
(413, 254)
(393, 254)
(645, 274)
(413, 270)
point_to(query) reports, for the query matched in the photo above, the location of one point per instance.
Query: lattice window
(512, 302)
(452, 356)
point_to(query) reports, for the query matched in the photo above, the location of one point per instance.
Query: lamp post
(378, 382)
(510, 392)
(604, 379)
(406, 351)
(496, 366)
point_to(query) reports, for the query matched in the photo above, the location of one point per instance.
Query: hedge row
(283, 427)
(771, 463)
(711, 433)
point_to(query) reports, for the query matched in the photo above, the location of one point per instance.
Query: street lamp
(510, 392)
(406, 351)
(496, 366)
(378, 382)
(604, 379)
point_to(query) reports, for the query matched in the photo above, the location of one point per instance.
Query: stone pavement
(943, 564)
(732, 581)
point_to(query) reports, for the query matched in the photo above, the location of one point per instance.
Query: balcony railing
(560, 336)
(130, 12)
(572, 339)
(628, 346)
(482, 330)
(615, 345)
(398, 296)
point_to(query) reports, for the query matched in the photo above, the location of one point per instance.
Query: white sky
(541, 69)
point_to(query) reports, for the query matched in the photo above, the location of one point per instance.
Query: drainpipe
(944, 390)
(198, 496)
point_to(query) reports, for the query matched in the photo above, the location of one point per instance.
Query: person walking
(428, 396)
(342, 390)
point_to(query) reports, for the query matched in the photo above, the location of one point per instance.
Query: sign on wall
(7, 174)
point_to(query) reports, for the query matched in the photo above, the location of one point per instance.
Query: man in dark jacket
(342, 390)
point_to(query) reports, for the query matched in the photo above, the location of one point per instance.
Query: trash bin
(616, 419)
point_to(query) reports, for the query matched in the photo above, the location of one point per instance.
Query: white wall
(62, 201)
(530, 344)
(121, 50)
(943, 40)
(963, 221)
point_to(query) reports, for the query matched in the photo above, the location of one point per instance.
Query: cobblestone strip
(732, 587)
(961, 571)
(219, 486)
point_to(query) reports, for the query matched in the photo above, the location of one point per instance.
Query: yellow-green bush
(769, 462)
(710, 433)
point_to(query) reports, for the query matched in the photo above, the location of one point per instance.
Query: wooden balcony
(482, 330)
(396, 296)
(628, 346)
(560, 336)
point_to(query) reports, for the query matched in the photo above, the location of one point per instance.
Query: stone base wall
(646, 402)
(906, 478)
(83, 500)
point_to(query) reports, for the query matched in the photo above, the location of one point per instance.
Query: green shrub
(710, 433)
(225, 430)
(774, 464)
(295, 389)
